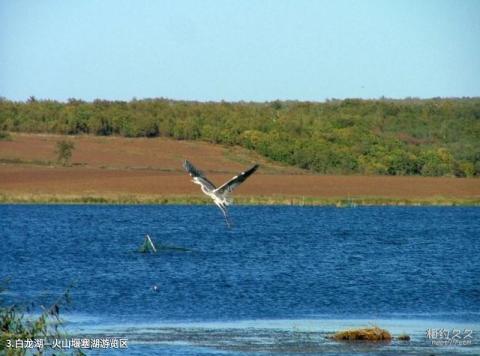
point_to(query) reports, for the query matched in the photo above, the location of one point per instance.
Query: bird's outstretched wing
(236, 181)
(198, 176)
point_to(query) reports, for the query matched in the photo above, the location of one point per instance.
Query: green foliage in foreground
(14, 325)
(434, 137)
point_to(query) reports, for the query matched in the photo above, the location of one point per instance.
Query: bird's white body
(219, 195)
(220, 200)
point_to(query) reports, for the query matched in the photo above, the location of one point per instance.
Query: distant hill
(434, 137)
(113, 153)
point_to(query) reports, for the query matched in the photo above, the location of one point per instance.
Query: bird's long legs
(224, 210)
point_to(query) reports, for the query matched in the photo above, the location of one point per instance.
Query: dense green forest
(434, 137)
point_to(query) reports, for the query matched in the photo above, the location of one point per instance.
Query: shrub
(5, 136)
(64, 152)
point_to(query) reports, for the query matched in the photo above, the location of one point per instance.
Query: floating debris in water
(362, 334)
(403, 337)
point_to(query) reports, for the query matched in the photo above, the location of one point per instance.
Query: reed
(340, 202)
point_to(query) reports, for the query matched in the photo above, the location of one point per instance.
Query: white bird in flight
(219, 195)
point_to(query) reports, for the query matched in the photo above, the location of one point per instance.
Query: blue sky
(239, 50)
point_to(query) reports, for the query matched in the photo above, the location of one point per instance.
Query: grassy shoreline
(7, 198)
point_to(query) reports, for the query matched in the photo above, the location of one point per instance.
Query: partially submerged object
(403, 337)
(363, 334)
(148, 245)
(161, 247)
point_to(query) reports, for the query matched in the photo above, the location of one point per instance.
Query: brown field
(141, 167)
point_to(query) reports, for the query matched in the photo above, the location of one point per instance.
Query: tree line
(429, 137)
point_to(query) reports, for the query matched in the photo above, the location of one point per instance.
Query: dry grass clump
(363, 334)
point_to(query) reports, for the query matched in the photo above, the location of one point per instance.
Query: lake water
(279, 281)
